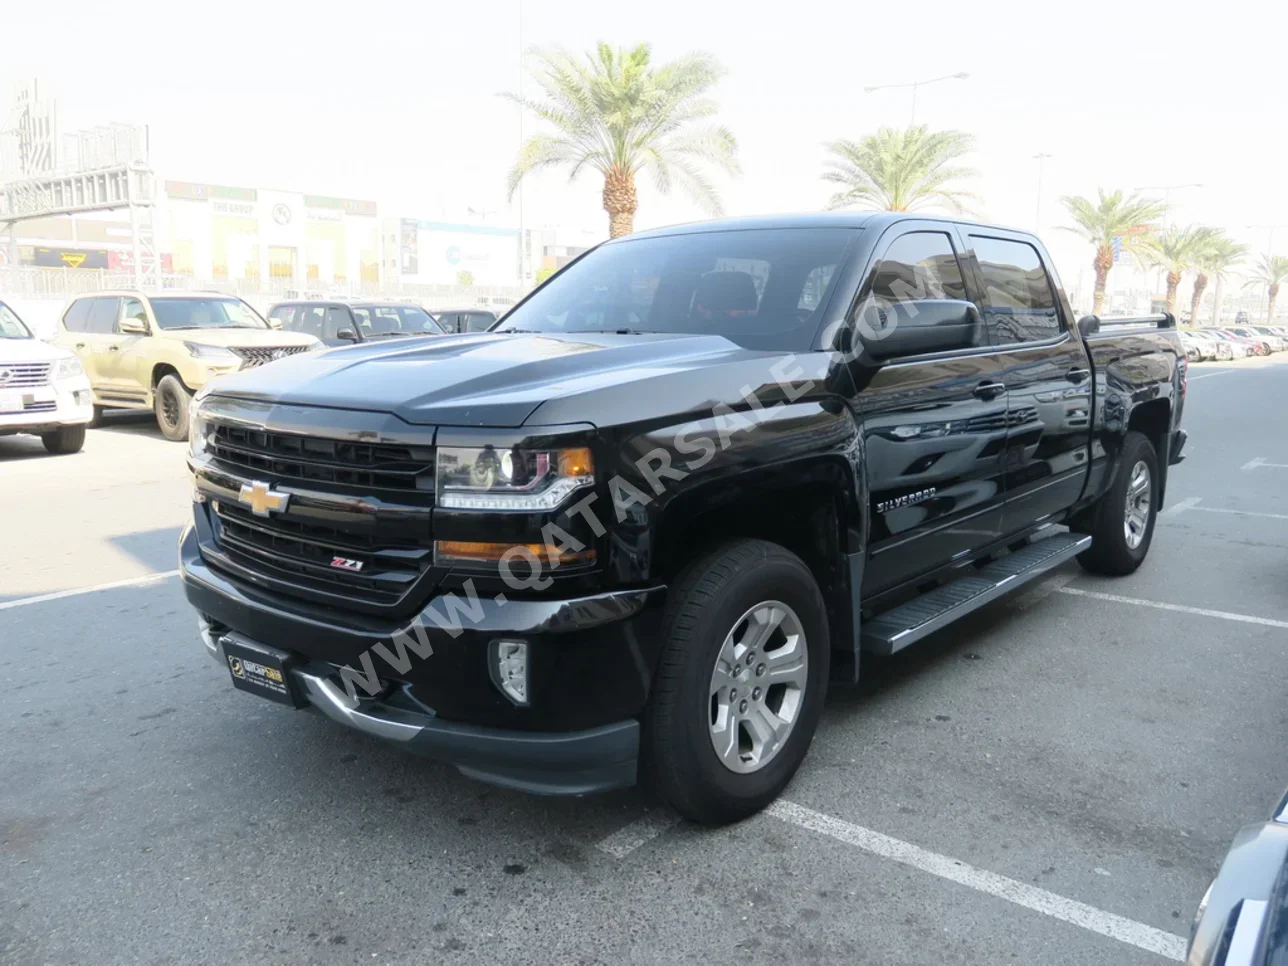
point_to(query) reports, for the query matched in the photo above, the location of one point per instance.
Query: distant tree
(900, 170)
(1101, 221)
(1220, 254)
(1176, 251)
(617, 113)
(465, 277)
(1270, 272)
(543, 274)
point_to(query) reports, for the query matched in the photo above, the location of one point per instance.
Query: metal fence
(62, 283)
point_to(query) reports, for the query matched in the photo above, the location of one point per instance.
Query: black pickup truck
(638, 527)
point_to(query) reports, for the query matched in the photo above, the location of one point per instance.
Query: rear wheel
(1121, 523)
(64, 440)
(740, 684)
(171, 404)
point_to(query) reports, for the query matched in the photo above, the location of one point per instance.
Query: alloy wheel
(1139, 498)
(758, 686)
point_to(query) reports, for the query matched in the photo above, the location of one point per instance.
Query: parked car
(1198, 347)
(335, 322)
(1276, 337)
(1242, 919)
(1272, 343)
(43, 389)
(1238, 348)
(1241, 318)
(154, 351)
(465, 320)
(638, 527)
(1258, 345)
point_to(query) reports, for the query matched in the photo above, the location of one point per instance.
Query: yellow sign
(73, 259)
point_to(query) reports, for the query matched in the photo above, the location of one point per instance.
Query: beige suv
(155, 351)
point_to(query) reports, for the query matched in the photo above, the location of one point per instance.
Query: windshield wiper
(611, 332)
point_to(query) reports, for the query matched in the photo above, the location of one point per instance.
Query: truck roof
(815, 219)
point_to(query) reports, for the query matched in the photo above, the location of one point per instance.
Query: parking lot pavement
(1054, 780)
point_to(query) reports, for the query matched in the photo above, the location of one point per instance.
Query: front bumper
(73, 406)
(591, 667)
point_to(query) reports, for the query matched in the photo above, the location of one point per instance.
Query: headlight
(507, 479)
(212, 353)
(69, 369)
(198, 429)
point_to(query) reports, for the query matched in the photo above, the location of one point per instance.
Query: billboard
(69, 257)
(447, 252)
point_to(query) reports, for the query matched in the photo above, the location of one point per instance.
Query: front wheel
(740, 684)
(171, 404)
(64, 440)
(1121, 523)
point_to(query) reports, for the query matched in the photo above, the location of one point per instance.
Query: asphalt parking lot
(1054, 781)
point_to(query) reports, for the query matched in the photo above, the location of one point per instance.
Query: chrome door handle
(989, 390)
(80, 345)
(1077, 375)
(114, 348)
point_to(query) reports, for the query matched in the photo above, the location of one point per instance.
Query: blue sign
(454, 255)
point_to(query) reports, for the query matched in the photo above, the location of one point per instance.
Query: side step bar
(910, 622)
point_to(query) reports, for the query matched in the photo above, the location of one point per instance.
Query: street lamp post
(960, 75)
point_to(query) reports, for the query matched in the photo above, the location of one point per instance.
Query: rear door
(1047, 373)
(934, 427)
(99, 338)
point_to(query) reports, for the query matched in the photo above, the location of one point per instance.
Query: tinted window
(102, 316)
(920, 265)
(206, 313)
(479, 321)
(745, 285)
(76, 318)
(1019, 300)
(305, 318)
(337, 318)
(379, 320)
(284, 314)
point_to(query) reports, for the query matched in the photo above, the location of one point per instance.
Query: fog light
(508, 662)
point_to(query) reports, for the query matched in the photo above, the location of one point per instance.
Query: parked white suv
(43, 389)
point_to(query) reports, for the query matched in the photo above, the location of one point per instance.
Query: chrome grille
(252, 358)
(305, 555)
(22, 375)
(308, 460)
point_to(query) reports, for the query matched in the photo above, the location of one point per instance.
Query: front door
(1047, 374)
(126, 362)
(934, 427)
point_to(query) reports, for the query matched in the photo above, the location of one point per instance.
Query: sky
(398, 102)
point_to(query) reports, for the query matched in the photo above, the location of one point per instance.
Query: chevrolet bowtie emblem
(262, 498)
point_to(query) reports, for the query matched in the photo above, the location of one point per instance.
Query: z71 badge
(346, 563)
(908, 499)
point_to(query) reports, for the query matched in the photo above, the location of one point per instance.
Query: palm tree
(900, 170)
(1214, 260)
(617, 113)
(1112, 216)
(1270, 271)
(1176, 251)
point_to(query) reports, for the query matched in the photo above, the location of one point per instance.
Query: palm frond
(900, 170)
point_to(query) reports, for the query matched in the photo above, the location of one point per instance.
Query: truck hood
(30, 350)
(486, 380)
(234, 338)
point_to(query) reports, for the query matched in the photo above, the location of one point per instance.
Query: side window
(309, 320)
(919, 265)
(76, 318)
(1019, 299)
(134, 310)
(285, 314)
(479, 322)
(336, 319)
(102, 316)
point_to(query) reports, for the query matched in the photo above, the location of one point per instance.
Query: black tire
(1111, 551)
(171, 404)
(65, 440)
(702, 610)
(96, 420)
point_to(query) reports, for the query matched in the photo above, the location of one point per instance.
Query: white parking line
(1179, 608)
(76, 592)
(1209, 375)
(1242, 513)
(1043, 590)
(1030, 897)
(1179, 507)
(1260, 461)
(626, 840)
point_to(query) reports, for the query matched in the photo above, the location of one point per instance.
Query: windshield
(391, 320)
(206, 313)
(763, 288)
(12, 327)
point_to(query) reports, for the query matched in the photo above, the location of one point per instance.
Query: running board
(910, 622)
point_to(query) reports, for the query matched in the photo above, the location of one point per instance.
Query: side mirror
(920, 326)
(133, 326)
(274, 323)
(347, 335)
(1088, 325)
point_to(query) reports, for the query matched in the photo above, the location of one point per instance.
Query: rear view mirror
(133, 327)
(919, 326)
(347, 335)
